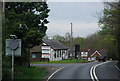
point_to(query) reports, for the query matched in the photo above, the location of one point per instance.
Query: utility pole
(3, 11)
(71, 41)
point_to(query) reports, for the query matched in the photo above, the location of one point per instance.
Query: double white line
(93, 73)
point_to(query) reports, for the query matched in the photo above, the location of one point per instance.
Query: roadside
(40, 72)
(27, 73)
(63, 61)
(51, 67)
(50, 71)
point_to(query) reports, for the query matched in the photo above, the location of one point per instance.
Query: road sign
(13, 44)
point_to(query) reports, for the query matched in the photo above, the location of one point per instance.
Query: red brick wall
(96, 55)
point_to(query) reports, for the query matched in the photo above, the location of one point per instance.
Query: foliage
(59, 38)
(110, 23)
(97, 40)
(6, 68)
(35, 73)
(26, 20)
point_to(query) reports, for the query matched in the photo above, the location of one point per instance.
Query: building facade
(36, 53)
(92, 53)
(54, 50)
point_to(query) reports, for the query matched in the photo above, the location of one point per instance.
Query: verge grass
(63, 61)
(35, 73)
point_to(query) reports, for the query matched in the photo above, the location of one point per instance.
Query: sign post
(13, 47)
(12, 77)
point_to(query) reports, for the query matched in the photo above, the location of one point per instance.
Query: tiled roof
(91, 51)
(36, 49)
(54, 44)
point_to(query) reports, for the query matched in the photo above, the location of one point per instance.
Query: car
(102, 58)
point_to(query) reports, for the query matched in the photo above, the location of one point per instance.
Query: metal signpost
(13, 47)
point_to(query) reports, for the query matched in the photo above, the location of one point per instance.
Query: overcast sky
(83, 15)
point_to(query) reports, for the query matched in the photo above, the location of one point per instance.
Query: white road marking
(117, 67)
(95, 73)
(92, 72)
(54, 73)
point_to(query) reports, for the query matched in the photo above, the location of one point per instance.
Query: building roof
(54, 44)
(95, 53)
(36, 49)
(102, 52)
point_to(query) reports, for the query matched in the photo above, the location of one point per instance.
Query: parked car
(102, 58)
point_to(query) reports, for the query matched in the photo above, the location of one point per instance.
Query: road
(94, 71)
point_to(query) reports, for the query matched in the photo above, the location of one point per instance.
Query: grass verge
(31, 73)
(62, 61)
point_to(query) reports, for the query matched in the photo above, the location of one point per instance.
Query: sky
(83, 16)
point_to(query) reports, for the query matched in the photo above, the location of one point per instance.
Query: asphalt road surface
(94, 71)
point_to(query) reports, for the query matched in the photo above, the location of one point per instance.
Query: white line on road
(92, 71)
(54, 73)
(117, 67)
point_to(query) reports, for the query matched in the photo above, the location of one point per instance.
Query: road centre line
(93, 73)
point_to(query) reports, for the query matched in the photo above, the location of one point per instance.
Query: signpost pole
(12, 77)
(12, 46)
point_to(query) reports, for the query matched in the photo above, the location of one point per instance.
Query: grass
(36, 73)
(62, 61)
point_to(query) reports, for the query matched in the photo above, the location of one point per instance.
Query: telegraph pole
(71, 41)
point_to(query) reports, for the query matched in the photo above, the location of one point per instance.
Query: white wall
(48, 52)
(58, 55)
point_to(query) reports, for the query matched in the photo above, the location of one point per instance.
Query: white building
(54, 50)
(84, 55)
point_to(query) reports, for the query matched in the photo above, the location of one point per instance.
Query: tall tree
(27, 20)
(110, 22)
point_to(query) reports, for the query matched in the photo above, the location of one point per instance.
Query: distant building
(53, 50)
(36, 53)
(85, 53)
(71, 52)
(74, 51)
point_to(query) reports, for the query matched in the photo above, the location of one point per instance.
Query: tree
(59, 38)
(110, 22)
(27, 21)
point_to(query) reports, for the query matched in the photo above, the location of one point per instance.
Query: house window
(63, 53)
(60, 53)
(55, 55)
(45, 51)
(34, 56)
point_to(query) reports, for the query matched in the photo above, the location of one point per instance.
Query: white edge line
(54, 73)
(117, 67)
